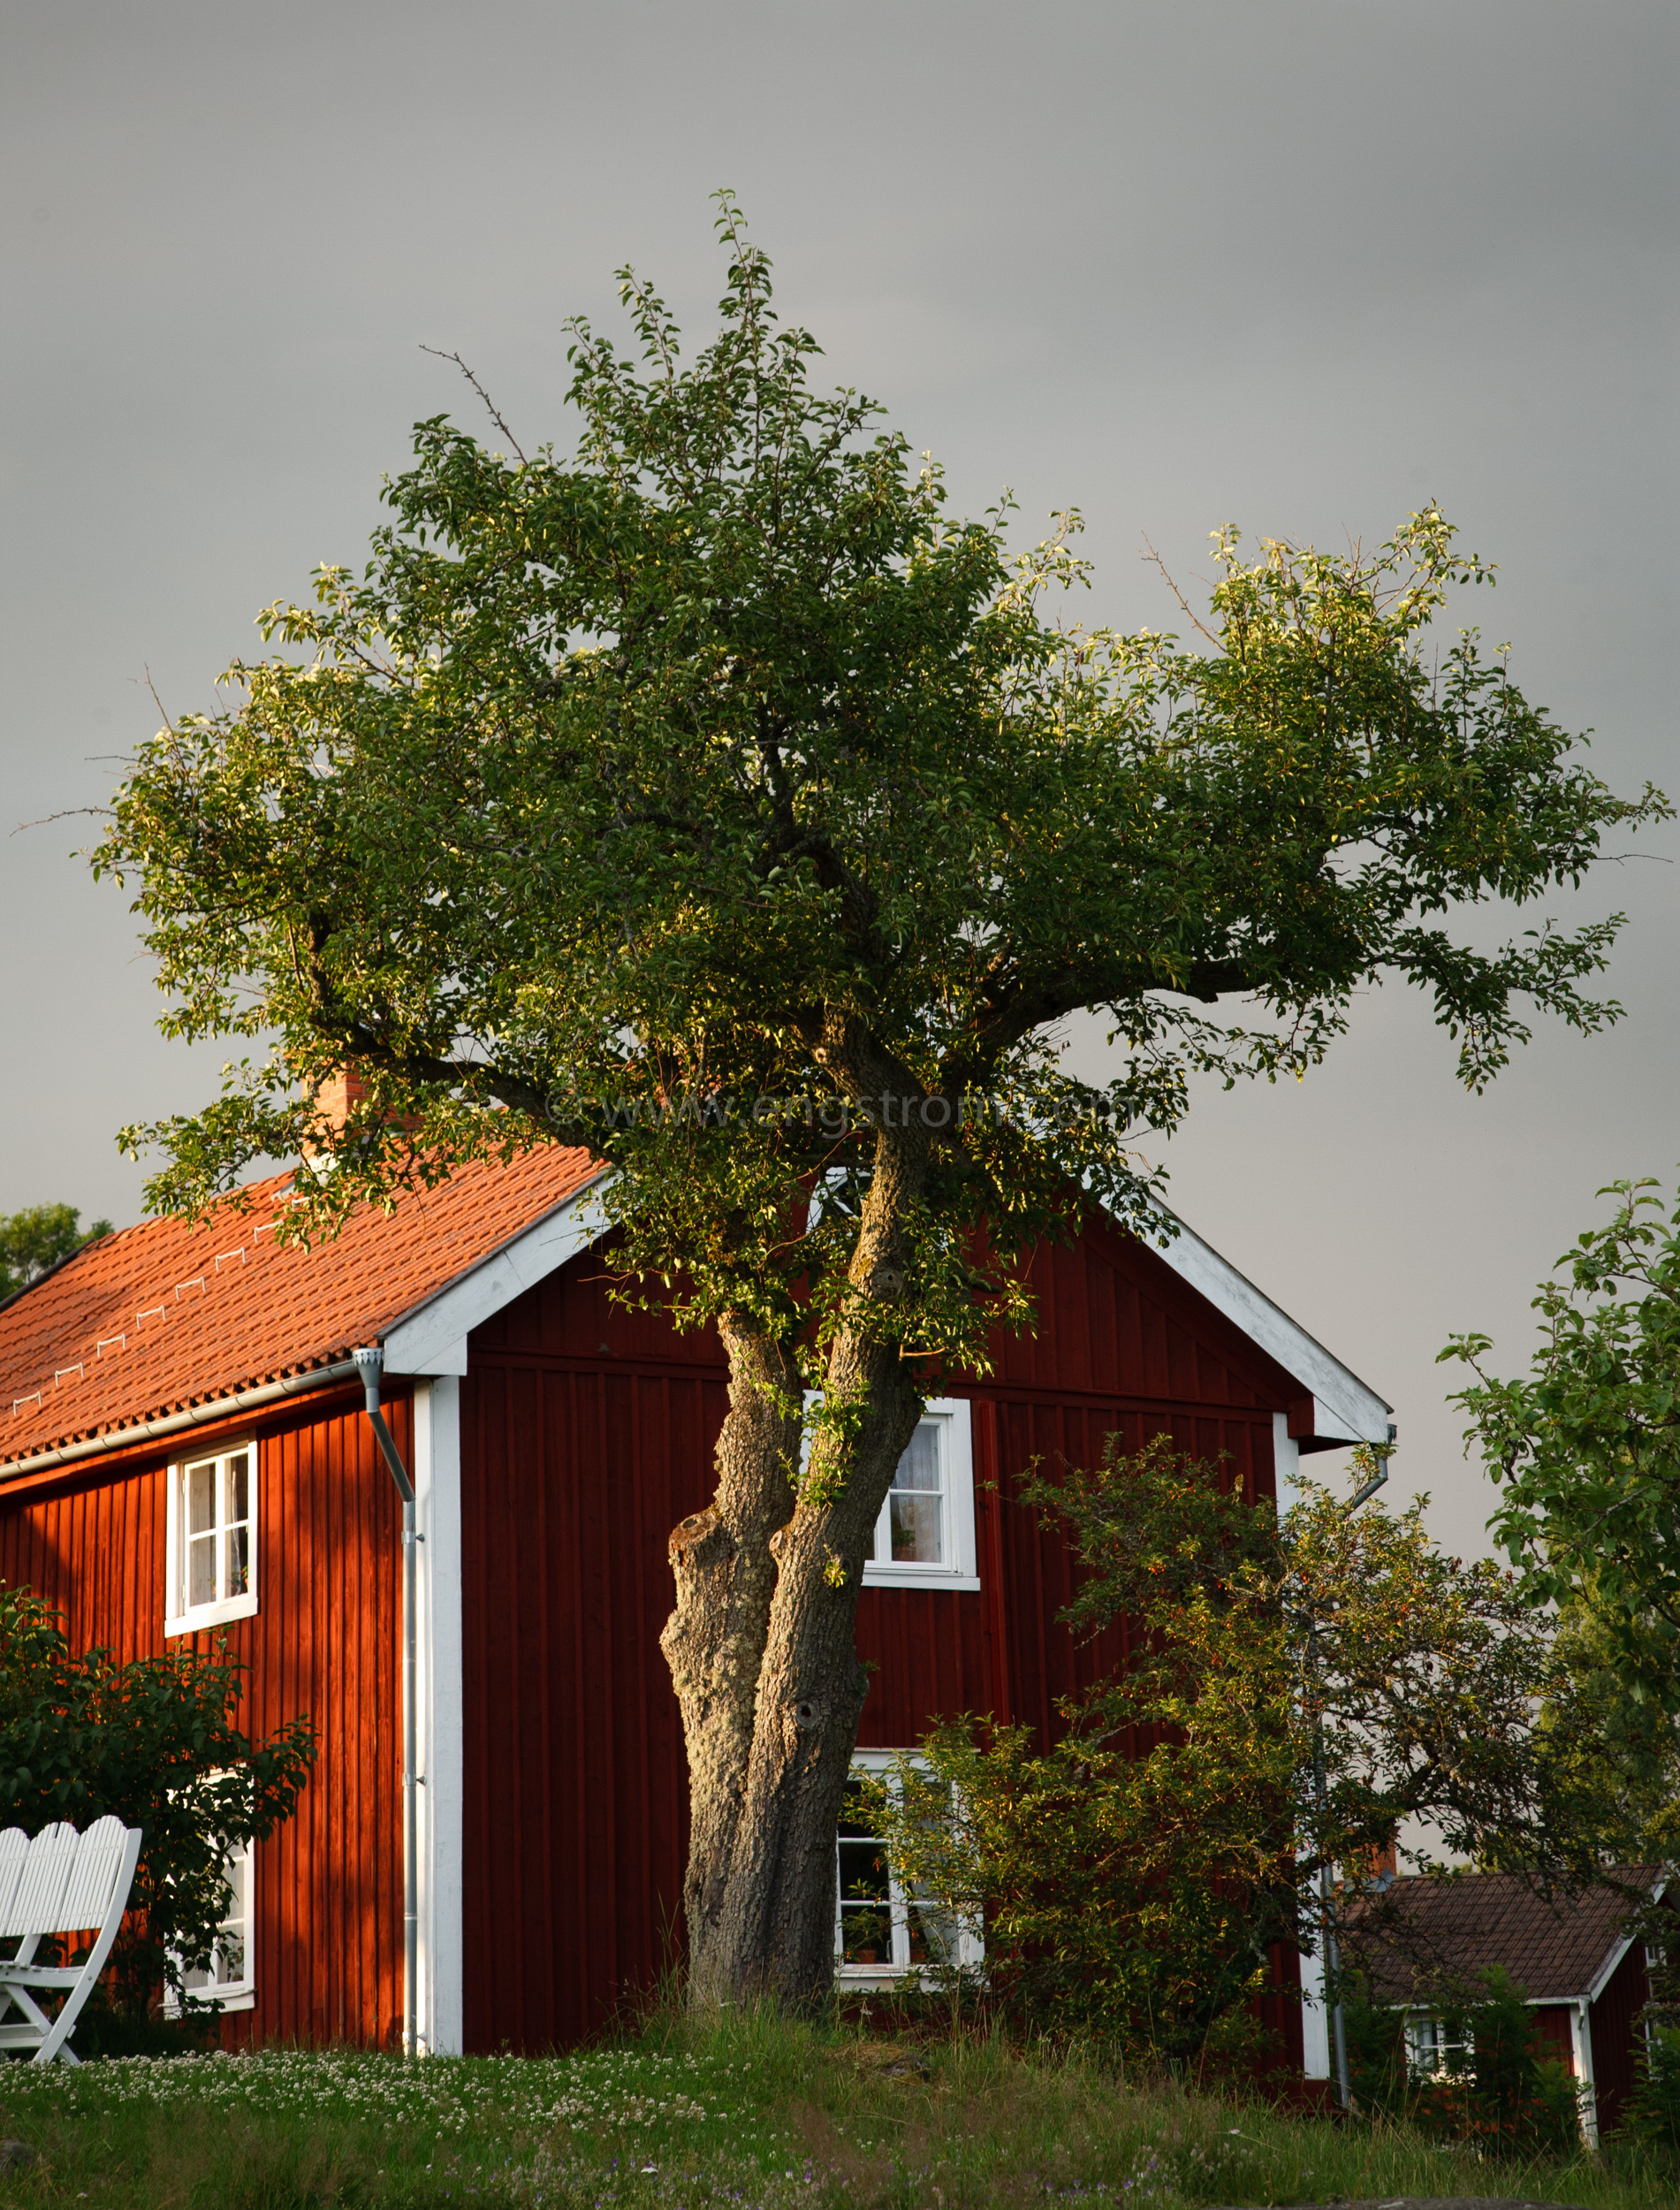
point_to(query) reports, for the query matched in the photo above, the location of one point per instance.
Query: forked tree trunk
(714, 1641)
(761, 1644)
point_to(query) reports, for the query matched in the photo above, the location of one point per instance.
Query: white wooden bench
(60, 1883)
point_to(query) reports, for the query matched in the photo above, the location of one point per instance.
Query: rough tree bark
(761, 1642)
(714, 1640)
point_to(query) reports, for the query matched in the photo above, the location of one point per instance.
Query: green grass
(761, 2115)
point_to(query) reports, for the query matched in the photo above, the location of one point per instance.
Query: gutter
(369, 1363)
(194, 1416)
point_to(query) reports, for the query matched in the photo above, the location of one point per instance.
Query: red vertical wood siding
(586, 1434)
(1557, 2037)
(1613, 2023)
(324, 1640)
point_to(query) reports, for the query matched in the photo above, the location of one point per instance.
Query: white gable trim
(431, 1337)
(1611, 1965)
(1344, 1409)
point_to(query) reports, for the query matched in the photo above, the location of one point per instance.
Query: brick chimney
(335, 1098)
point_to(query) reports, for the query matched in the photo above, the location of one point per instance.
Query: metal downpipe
(1327, 1879)
(370, 1363)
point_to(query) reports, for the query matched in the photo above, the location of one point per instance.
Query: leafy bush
(1279, 1697)
(1378, 2065)
(1510, 2096)
(1652, 2113)
(154, 1742)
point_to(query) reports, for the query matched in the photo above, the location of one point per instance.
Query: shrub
(152, 1740)
(1510, 2096)
(1652, 2113)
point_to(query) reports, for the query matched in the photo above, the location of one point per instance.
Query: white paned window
(1428, 2050)
(882, 1929)
(926, 1534)
(211, 1540)
(229, 1980)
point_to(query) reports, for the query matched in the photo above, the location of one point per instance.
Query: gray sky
(1299, 266)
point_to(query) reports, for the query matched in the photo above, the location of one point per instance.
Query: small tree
(1652, 2113)
(1508, 2094)
(38, 1237)
(1288, 1693)
(153, 1742)
(1586, 1448)
(713, 799)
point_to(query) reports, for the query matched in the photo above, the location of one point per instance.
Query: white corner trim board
(440, 1998)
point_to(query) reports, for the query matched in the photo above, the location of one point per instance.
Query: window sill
(234, 1998)
(211, 1615)
(918, 1577)
(930, 1979)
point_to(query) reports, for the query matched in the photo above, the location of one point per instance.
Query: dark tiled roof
(1428, 1932)
(167, 1314)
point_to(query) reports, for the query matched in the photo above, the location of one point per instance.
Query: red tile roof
(166, 1315)
(1452, 1930)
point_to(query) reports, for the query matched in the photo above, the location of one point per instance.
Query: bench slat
(87, 1895)
(14, 1848)
(46, 1874)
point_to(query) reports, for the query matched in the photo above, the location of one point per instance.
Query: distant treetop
(37, 1238)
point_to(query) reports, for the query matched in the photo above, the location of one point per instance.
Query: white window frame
(230, 1995)
(1427, 2053)
(958, 1569)
(180, 1617)
(970, 1938)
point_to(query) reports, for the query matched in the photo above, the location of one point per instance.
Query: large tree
(711, 798)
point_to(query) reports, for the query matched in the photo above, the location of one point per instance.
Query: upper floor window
(211, 1538)
(926, 1534)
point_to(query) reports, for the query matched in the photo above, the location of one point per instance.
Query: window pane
(865, 1903)
(238, 1562)
(238, 1487)
(919, 1468)
(230, 1947)
(917, 1528)
(201, 1570)
(933, 1931)
(866, 1917)
(201, 1499)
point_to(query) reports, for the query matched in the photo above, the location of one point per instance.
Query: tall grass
(759, 2113)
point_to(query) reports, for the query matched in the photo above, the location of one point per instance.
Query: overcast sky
(1298, 266)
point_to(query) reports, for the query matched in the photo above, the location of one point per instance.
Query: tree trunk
(714, 1641)
(761, 1644)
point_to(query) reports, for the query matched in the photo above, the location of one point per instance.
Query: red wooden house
(1583, 1974)
(185, 1451)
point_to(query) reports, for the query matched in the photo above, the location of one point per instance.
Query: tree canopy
(634, 798)
(1586, 1446)
(38, 1237)
(712, 797)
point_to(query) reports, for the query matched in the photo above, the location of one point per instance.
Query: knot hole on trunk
(699, 1540)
